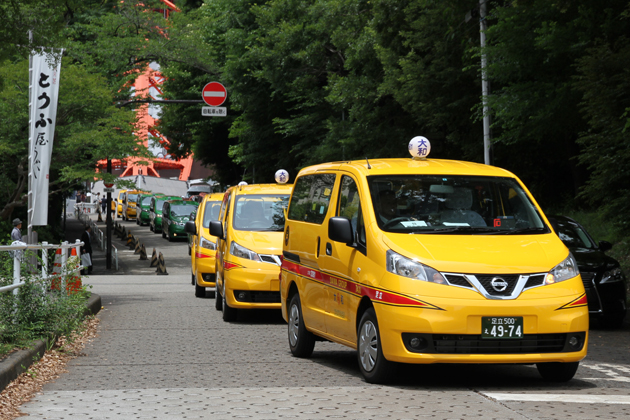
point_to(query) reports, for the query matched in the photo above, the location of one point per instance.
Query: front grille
(485, 281)
(534, 281)
(256, 296)
(271, 259)
(587, 279)
(458, 280)
(474, 344)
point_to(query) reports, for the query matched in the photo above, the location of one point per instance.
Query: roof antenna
(368, 163)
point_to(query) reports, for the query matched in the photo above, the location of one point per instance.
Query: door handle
(328, 248)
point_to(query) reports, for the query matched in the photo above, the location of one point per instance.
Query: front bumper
(176, 231)
(205, 266)
(258, 283)
(458, 326)
(144, 217)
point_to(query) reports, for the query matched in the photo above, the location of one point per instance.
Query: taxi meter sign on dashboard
(214, 94)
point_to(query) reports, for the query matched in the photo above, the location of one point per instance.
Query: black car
(603, 279)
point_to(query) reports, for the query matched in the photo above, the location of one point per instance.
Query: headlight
(566, 270)
(242, 252)
(204, 243)
(405, 267)
(612, 276)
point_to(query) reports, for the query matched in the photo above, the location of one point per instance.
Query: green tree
(88, 127)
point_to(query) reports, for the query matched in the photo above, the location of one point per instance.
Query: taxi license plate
(502, 327)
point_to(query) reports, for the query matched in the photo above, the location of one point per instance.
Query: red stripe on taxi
(199, 255)
(581, 301)
(352, 287)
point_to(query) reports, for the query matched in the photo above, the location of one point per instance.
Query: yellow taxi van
(119, 203)
(249, 231)
(203, 246)
(429, 261)
(130, 204)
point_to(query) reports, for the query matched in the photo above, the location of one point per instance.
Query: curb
(18, 362)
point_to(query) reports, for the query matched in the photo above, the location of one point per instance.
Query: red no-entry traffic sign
(214, 94)
(108, 185)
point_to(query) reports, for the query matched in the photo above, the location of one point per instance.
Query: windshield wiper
(458, 229)
(523, 231)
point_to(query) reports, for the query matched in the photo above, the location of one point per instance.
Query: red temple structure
(148, 85)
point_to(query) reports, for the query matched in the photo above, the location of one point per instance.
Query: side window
(311, 197)
(152, 205)
(350, 207)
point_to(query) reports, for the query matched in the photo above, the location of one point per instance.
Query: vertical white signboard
(45, 91)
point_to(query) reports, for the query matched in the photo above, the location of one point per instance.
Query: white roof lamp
(419, 148)
(282, 176)
(240, 184)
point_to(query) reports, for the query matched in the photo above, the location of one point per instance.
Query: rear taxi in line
(155, 211)
(429, 261)
(119, 203)
(175, 214)
(143, 215)
(203, 246)
(130, 204)
(249, 232)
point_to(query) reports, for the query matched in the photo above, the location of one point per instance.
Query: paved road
(164, 354)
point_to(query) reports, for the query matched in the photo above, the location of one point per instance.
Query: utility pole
(108, 219)
(485, 86)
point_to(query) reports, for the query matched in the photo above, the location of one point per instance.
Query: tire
(373, 365)
(189, 250)
(193, 279)
(218, 300)
(200, 291)
(301, 341)
(229, 314)
(557, 372)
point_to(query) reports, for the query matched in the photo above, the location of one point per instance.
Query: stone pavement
(161, 353)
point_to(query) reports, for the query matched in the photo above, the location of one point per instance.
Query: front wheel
(557, 372)
(218, 300)
(301, 341)
(373, 365)
(229, 314)
(200, 291)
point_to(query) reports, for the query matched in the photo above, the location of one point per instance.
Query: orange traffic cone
(55, 282)
(73, 283)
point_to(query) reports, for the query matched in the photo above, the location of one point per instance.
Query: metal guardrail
(19, 249)
(97, 234)
(115, 256)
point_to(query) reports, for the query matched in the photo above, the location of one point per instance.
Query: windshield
(213, 208)
(572, 235)
(260, 212)
(453, 204)
(182, 209)
(146, 201)
(132, 197)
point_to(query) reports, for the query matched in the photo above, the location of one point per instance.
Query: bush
(36, 311)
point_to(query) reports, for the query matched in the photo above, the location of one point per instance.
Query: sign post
(108, 219)
(214, 94)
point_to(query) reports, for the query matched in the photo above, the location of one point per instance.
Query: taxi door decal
(377, 295)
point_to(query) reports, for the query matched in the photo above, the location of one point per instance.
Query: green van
(155, 211)
(175, 214)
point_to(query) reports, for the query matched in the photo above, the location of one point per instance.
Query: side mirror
(190, 228)
(605, 246)
(216, 229)
(340, 230)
